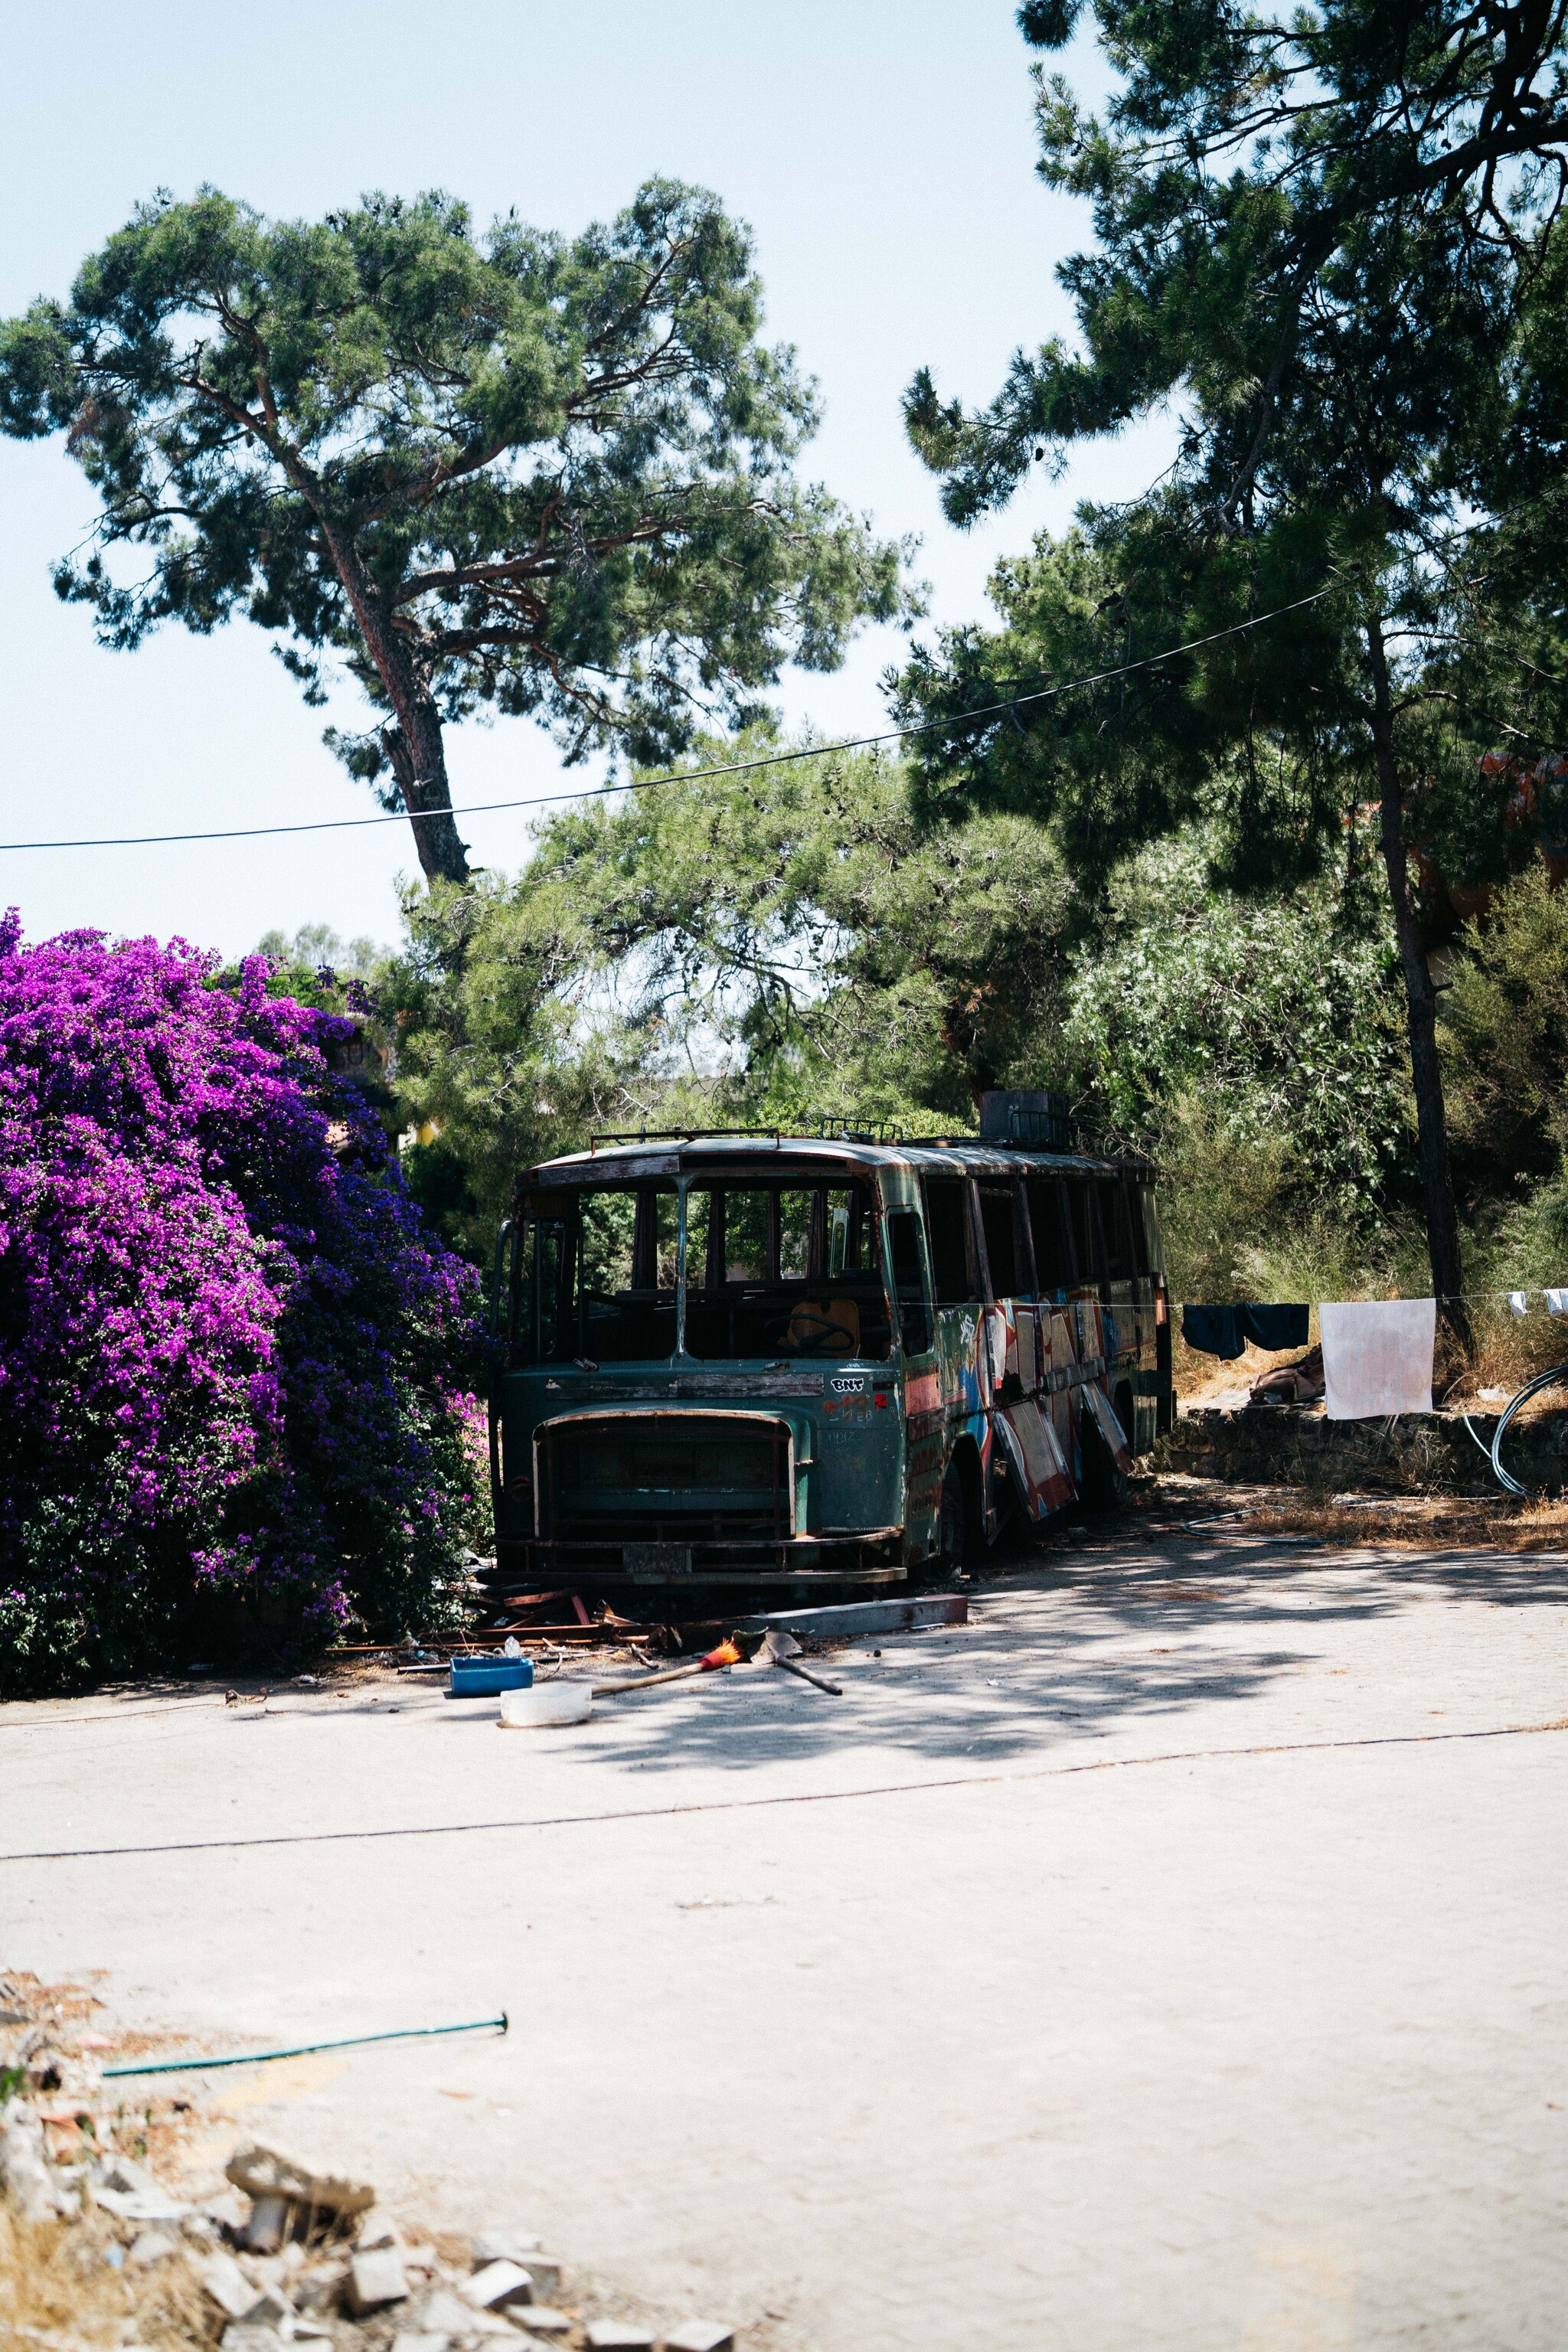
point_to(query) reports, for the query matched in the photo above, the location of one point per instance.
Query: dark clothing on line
(1274, 1327)
(1224, 1332)
(1213, 1331)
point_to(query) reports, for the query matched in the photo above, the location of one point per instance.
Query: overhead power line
(687, 775)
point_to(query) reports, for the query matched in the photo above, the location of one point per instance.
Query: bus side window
(1001, 1241)
(519, 1290)
(1152, 1247)
(947, 1211)
(1118, 1220)
(847, 1229)
(547, 1288)
(1048, 1212)
(911, 1285)
(1087, 1247)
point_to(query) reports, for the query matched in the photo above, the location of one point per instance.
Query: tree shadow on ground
(1065, 1651)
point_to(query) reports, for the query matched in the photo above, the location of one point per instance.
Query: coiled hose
(1505, 1478)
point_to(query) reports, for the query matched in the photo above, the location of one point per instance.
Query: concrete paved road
(1164, 1959)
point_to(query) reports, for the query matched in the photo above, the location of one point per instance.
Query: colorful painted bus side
(795, 1362)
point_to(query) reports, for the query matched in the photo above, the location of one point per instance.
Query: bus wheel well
(964, 1460)
(960, 1533)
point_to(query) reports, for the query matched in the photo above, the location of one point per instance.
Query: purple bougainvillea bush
(233, 1358)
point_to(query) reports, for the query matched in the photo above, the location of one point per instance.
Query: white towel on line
(1377, 1357)
(1520, 1301)
(1557, 1302)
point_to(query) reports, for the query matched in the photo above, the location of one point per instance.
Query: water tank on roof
(1026, 1115)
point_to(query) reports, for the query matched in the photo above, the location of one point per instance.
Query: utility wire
(686, 775)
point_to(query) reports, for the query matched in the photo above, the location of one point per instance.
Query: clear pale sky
(883, 156)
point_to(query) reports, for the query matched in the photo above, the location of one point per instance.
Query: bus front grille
(665, 1478)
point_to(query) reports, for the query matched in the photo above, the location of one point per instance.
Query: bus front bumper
(870, 1556)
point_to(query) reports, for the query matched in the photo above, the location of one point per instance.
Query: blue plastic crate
(482, 1677)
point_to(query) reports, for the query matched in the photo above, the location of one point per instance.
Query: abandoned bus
(789, 1361)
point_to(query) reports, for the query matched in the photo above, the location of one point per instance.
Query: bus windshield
(775, 1267)
(785, 1268)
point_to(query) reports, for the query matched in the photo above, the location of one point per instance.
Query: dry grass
(1510, 1351)
(1421, 1523)
(58, 2287)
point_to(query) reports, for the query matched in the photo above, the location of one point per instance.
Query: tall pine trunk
(419, 761)
(1421, 1009)
(413, 744)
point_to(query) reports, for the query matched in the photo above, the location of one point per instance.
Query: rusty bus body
(788, 1362)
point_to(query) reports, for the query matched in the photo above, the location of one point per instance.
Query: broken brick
(229, 2288)
(376, 2279)
(497, 2283)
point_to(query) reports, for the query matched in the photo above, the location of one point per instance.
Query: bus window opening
(778, 1271)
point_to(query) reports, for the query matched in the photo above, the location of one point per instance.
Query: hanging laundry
(1520, 1301)
(1377, 1357)
(1275, 1327)
(1213, 1330)
(1224, 1332)
(1557, 1302)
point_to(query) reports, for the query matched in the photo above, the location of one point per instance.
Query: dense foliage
(545, 475)
(1274, 1010)
(786, 946)
(1327, 242)
(228, 1348)
(807, 943)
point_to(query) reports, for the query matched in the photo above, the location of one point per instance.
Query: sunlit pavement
(1172, 1957)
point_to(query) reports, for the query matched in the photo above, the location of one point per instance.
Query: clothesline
(1374, 1361)
(1518, 1300)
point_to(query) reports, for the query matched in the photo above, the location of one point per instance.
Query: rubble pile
(283, 2255)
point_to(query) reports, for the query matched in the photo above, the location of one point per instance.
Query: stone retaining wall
(1418, 1453)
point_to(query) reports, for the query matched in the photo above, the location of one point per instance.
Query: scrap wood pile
(97, 2254)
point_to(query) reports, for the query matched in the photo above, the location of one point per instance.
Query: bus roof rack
(1017, 1118)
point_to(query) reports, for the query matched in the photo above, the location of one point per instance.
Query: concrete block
(543, 2319)
(229, 2288)
(252, 2335)
(127, 2206)
(377, 2229)
(701, 2336)
(497, 2283)
(505, 2246)
(272, 2307)
(375, 2280)
(419, 2340)
(441, 2313)
(262, 2172)
(228, 2210)
(268, 2225)
(868, 1616)
(152, 2246)
(24, 2174)
(130, 2179)
(544, 2270)
(620, 2336)
(318, 2291)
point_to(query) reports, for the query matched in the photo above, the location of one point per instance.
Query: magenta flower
(230, 1353)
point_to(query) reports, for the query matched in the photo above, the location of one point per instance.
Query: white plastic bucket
(545, 1705)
